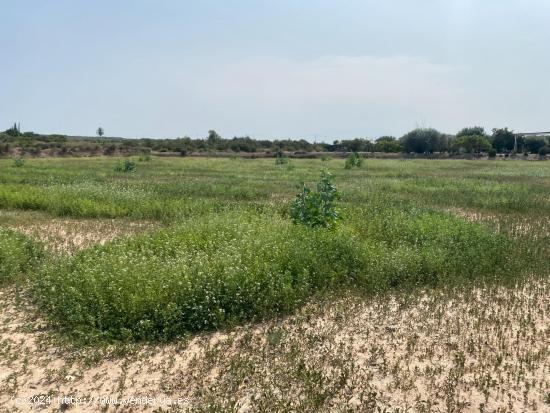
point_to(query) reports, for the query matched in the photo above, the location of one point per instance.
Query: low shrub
(125, 166)
(316, 208)
(18, 255)
(18, 162)
(354, 160)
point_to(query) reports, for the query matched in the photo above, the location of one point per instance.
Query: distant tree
(100, 132)
(213, 137)
(533, 144)
(503, 140)
(354, 145)
(386, 139)
(471, 131)
(387, 144)
(14, 131)
(424, 140)
(471, 144)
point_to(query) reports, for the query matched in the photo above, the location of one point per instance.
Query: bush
(18, 162)
(545, 150)
(18, 255)
(109, 150)
(144, 158)
(492, 153)
(326, 157)
(353, 161)
(125, 166)
(316, 209)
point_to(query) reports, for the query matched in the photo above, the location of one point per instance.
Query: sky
(318, 70)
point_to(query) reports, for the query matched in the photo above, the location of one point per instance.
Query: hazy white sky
(273, 69)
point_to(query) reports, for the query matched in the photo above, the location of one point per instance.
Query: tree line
(471, 140)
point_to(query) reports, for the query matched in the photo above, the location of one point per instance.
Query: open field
(187, 278)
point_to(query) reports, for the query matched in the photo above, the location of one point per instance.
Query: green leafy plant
(125, 166)
(353, 161)
(326, 157)
(144, 158)
(317, 208)
(18, 162)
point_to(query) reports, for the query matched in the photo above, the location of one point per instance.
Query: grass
(19, 256)
(229, 252)
(176, 188)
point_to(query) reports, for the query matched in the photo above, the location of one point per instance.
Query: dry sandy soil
(482, 349)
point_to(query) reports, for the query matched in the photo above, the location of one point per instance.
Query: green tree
(471, 144)
(533, 144)
(100, 132)
(387, 144)
(503, 140)
(471, 131)
(213, 138)
(424, 140)
(14, 131)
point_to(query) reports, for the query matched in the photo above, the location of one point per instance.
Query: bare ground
(67, 235)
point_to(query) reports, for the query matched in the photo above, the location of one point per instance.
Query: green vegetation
(421, 141)
(19, 256)
(354, 160)
(125, 166)
(18, 162)
(424, 140)
(316, 209)
(387, 144)
(233, 246)
(230, 268)
(471, 144)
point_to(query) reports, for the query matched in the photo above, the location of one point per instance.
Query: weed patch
(228, 268)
